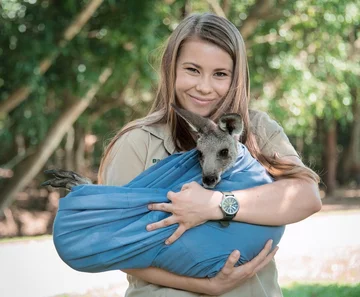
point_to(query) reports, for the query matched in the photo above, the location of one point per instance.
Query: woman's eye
(220, 74)
(224, 153)
(192, 69)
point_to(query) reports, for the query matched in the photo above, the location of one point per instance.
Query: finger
(70, 185)
(60, 173)
(161, 224)
(230, 262)
(171, 195)
(185, 187)
(176, 235)
(56, 183)
(267, 260)
(167, 207)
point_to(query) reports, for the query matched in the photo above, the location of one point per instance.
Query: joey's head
(217, 144)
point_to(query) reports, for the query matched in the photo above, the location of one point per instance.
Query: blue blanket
(99, 228)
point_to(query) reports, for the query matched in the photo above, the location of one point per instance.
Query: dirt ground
(342, 199)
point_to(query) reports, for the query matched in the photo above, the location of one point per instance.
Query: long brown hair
(224, 34)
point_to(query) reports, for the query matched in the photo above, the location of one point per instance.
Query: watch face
(230, 205)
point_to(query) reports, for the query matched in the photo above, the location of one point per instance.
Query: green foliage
(302, 57)
(120, 35)
(310, 53)
(320, 290)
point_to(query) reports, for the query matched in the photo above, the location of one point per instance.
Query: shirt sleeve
(127, 158)
(270, 136)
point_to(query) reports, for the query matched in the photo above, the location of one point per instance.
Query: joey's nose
(210, 181)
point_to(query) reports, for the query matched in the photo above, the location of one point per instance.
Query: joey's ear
(196, 122)
(232, 123)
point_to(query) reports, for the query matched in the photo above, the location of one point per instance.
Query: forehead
(214, 140)
(205, 54)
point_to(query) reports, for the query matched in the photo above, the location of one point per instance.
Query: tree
(27, 169)
(21, 93)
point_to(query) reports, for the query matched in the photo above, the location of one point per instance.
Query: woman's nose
(204, 86)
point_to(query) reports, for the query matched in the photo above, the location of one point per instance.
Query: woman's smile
(201, 101)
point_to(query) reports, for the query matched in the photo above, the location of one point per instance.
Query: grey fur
(217, 143)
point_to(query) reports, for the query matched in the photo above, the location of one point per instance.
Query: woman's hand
(231, 277)
(192, 206)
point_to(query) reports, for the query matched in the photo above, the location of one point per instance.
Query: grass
(295, 290)
(321, 290)
(24, 238)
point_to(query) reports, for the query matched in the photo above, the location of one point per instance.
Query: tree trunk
(79, 159)
(20, 94)
(351, 162)
(261, 10)
(226, 5)
(330, 151)
(300, 145)
(186, 9)
(29, 168)
(214, 4)
(69, 149)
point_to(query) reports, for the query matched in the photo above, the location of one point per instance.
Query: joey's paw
(64, 179)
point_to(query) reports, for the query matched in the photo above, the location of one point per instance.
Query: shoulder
(135, 140)
(128, 156)
(261, 122)
(270, 136)
(141, 136)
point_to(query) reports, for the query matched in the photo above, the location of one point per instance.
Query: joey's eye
(200, 155)
(224, 153)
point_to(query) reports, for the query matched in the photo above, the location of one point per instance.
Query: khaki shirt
(140, 148)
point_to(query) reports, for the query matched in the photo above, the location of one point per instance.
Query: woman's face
(203, 76)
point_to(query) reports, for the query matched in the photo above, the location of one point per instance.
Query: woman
(204, 70)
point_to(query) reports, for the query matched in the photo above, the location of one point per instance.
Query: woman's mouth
(201, 101)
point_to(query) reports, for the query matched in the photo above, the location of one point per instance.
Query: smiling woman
(204, 70)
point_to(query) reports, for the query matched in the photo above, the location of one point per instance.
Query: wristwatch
(229, 206)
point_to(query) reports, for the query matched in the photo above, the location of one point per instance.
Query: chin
(204, 112)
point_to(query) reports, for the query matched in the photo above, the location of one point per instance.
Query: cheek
(183, 81)
(223, 87)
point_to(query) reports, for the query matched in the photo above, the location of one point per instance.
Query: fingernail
(148, 227)
(150, 206)
(167, 242)
(271, 242)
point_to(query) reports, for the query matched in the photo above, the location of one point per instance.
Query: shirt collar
(162, 131)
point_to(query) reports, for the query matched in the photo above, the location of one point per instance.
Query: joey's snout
(210, 181)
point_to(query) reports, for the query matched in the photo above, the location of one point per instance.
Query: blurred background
(72, 73)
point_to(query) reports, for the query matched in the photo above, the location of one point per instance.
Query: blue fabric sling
(99, 228)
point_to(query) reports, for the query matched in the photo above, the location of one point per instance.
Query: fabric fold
(100, 228)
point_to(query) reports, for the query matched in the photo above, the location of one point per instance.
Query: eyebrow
(198, 66)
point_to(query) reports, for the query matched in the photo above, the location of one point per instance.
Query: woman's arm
(227, 279)
(282, 202)
(167, 279)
